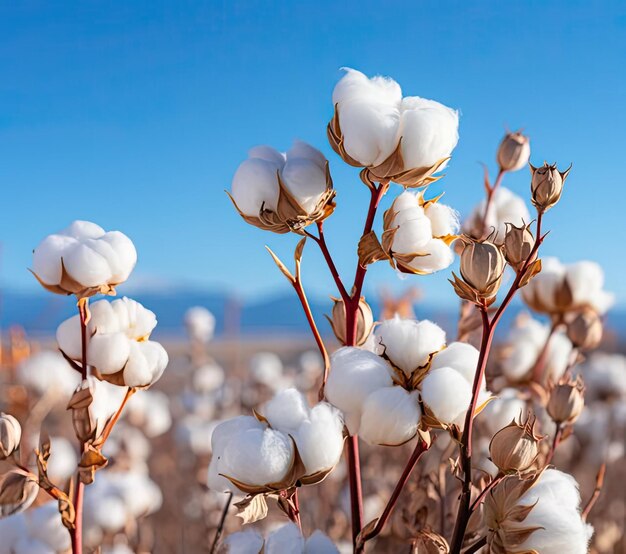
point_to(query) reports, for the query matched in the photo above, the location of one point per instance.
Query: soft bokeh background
(136, 115)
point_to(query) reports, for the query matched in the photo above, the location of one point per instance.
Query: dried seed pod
(518, 244)
(567, 400)
(364, 325)
(546, 185)
(585, 330)
(18, 491)
(10, 435)
(515, 448)
(513, 152)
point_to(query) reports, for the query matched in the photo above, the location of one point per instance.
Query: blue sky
(135, 115)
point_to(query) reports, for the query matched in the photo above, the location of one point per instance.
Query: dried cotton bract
(546, 185)
(561, 288)
(541, 514)
(118, 343)
(513, 152)
(515, 448)
(398, 139)
(10, 435)
(418, 233)
(283, 192)
(84, 260)
(364, 321)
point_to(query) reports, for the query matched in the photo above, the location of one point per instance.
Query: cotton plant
(105, 356)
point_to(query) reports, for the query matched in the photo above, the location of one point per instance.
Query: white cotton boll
(503, 409)
(230, 429)
(258, 457)
(267, 153)
(87, 266)
(446, 393)
(390, 416)
(319, 543)
(44, 524)
(146, 363)
(305, 180)
(558, 356)
(444, 220)
(110, 513)
(545, 284)
(354, 85)
(48, 372)
(406, 201)
(556, 511)
(461, 357)
(200, 323)
(107, 399)
(83, 230)
(208, 378)
(370, 130)
(63, 459)
(412, 235)
(12, 528)
(354, 374)
(285, 540)
(429, 130)
(255, 185)
(150, 410)
(434, 256)
(141, 495)
(303, 150)
(586, 280)
(47, 258)
(266, 368)
(505, 207)
(320, 439)
(126, 254)
(408, 343)
(109, 352)
(287, 410)
(244, 542)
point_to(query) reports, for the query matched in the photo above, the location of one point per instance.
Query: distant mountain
(41, 313)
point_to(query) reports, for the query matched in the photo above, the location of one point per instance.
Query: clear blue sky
(136, 114)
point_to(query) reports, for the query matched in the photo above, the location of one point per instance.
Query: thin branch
(484, 492)
(109, 426)
(596, 492)
(558, 434)
(480, 543)
(220, 527)
(540, 363)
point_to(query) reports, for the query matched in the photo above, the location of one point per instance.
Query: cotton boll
(319, 543)
(47, 260)
(320, 439)
(146, 363)
(408, 343)
(429, 132)
(354, 374)
(287, 410)
(434, 256)
(508, 406)
(47, 372)
(110, 513)
(200, 323)
(586, 280)
(354, 85)
(390, 416)
(109, 352)
(266, 368)
(461, 357)
(285, 540)
(150, 410)
(447, 394)
(258, 457)
(556, 512)
(444, 220)
(255, 186)
(63, 459)
(305, 180)
(208, 378)
(44, 524)
(244, 542)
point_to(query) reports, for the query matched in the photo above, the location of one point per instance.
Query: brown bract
(289, 215)
(504, 516)
(518, 244)
(392, 169)
(567, 400)
(365, 321)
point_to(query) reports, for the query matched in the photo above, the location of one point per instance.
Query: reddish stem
(540, 363)
(596, 492)
(109, 427)
(220, 527)
(490, 192)
(558, 434)
(480, 543)
(321, 241)
(484, 492)
(489, 328)
(420, 448)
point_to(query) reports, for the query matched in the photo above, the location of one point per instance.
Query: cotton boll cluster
(418, 233)
(560, 289)
(84, 260)
(505, 207)
(258, 453)
(200, 324)
(524, 345)
(116, 499)
(47, 372)
(402, 139)
(447, 388)
(118, 345)
(287, 539)
(553, 518)
(283, 191)
(35, 531)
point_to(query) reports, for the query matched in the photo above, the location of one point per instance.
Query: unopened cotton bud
(585, 331)
(10, 435)
(546, 185)
(364, 321)
(18, 490)
(513, 152)
(515, 448)
(482, 267)
(518, 244)
(567, 400)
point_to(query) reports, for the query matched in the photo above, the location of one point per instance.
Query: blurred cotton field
(390, 427)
